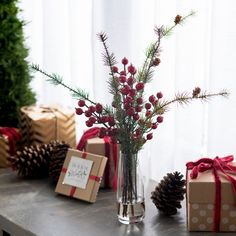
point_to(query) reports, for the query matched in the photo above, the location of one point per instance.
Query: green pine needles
(15, 91)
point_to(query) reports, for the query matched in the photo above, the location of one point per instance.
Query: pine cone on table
(169, 193)
(57, 160)
(33, 161)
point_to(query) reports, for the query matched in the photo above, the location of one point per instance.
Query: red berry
(123, 73)
(111, 121)
(92, 109)
(103, 119)
(125, 90)
(154, 125)
(138, 108)
(88, 113)
(78, 111)
(148, 105)
(130, 111)
(89, 123)
(159, 95)
(122, 79)
(132, 92)
(149, 136)
(128, 99)
(98, 108)
(131, 69)
(152, 99)
(136, 116)
(125, 61)
(139, 100)
(130, 80)
(148, 113)
(92, 119)
(81, 103)
(139, 86)
(115, 69)
(160, 119)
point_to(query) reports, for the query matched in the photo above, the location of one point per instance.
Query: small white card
(78, 172)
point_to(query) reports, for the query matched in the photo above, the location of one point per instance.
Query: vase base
(131, 213)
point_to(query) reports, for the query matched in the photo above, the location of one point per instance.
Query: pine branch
(185, 98)
(57, 80)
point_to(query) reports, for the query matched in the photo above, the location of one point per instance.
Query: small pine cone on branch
(169, 193)
(33, 161)
(57, 160)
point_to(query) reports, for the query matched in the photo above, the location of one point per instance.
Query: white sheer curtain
(61, 36)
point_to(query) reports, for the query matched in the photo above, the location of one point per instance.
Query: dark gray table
(30, 207)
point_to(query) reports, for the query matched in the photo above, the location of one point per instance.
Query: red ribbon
(92, 133)
(92, 177)
(12, 136)
(217, 165)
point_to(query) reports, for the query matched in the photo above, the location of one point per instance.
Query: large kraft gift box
(201, 202)
(104, 147)
(9, 138)
(42, 124)
(81, 175)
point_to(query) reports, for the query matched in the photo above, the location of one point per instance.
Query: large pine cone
(57, 160)
(33, 161)
(169, 193)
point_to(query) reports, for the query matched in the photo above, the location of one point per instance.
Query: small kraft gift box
(81, 175)
(42, 124)
(9, 137)
(89, 142)
(211, 195)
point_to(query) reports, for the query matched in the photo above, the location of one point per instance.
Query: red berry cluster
(94, 113)
(133, 103)
(137, 113)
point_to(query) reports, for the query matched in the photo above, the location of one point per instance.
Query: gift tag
(78, 172)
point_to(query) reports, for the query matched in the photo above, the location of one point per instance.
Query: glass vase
(130, 190)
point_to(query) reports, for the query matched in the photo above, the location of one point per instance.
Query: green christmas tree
(15, 77)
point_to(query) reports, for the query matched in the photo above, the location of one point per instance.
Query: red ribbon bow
(92, 133)
(12, 135)
(217, 165)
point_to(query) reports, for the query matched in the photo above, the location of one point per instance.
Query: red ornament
(125, 61)
(130, 80)
(160, 119)
(81, 103)
(139, 86)
(132, 92)
(149, 136)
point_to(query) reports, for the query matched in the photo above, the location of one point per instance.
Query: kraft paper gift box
(81, 175)
(201, 203)
(103, 146)
(42, 124)
(9, 138)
